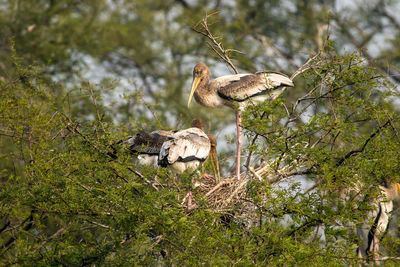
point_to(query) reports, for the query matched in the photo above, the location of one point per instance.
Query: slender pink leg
(238, 142)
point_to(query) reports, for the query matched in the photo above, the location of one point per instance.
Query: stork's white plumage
(236, 91)
(185, 150)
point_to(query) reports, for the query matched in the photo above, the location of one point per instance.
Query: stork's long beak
(215, 164)
(195, 83)
(398, 188)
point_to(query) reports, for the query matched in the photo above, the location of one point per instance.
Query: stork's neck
(204, 85)
(207, 95)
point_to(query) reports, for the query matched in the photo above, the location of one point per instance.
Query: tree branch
(357, 151)
(216, 46)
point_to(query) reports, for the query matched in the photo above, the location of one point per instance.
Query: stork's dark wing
(147, 143)
(242, 87)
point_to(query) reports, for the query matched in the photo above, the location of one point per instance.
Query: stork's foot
(206, 176)
(205, 182)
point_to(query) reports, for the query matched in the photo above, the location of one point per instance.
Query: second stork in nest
(179, 150)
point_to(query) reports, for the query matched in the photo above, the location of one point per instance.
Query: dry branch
(215, 45)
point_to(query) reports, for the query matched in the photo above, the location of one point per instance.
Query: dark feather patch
(146, 143)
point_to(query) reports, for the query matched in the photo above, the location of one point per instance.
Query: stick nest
(229, 195)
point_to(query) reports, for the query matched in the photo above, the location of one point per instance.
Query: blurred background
(141, 53)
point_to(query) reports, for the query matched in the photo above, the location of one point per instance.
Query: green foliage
(70, 195)
(71, 202)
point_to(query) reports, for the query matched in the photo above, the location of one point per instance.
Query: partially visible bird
(370, 234)
(148, 145)
(236, 91)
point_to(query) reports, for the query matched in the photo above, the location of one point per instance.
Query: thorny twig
(360, 150)
(306, 66)
(216, 46)
(96, 107)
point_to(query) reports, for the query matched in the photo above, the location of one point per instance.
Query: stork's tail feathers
(279, 78)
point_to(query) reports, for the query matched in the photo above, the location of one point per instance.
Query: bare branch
(306, 66)
(216, 46)
(360, 150)
(96, 107)
(101, 225)
(344, 27)
(55, 235)
(264, 41)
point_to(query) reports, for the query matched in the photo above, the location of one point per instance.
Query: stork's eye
(197, 71)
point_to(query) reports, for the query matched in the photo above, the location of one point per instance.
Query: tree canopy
(76, 77)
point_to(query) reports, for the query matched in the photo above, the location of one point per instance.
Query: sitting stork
(187, 149)
(179, 150)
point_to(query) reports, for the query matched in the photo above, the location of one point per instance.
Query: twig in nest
(251, 169)
(188, 200)
(238, 188)
(219, 185)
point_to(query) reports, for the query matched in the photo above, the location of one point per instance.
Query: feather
(148, 143)
(185, 146)
(245, 86)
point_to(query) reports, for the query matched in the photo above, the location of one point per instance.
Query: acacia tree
(74, 204)
(66, 199)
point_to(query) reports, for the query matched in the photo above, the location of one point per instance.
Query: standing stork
(236, 91)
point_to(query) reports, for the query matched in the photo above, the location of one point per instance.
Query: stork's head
(392, 190)
(200, 73)
(198, 123)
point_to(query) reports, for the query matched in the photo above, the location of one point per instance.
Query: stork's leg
(238, 142)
